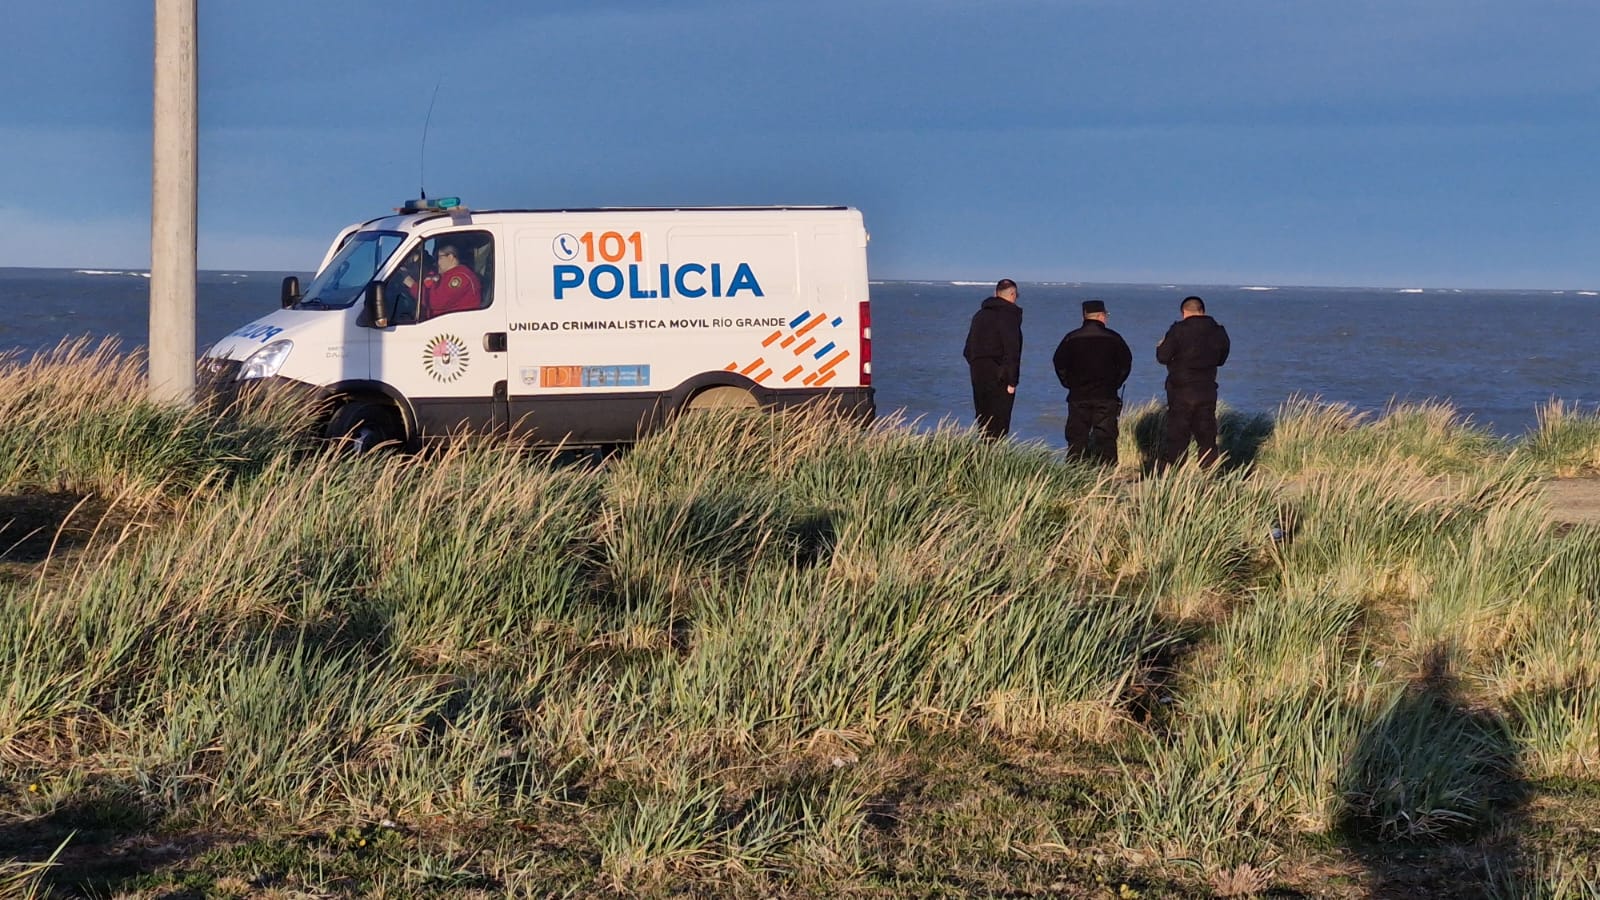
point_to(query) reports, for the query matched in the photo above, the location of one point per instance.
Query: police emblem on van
(445, 358)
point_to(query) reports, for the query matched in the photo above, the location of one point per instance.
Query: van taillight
(866, 343)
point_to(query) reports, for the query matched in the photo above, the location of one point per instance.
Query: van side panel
(620, 317)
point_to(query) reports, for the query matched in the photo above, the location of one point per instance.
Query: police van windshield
(357, 262)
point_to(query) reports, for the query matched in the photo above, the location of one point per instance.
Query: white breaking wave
(1410, 291)
(110, 272)
(1589, 293)
(971, 283)
(1257, 287)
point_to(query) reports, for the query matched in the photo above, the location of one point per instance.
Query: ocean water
(1495, 355)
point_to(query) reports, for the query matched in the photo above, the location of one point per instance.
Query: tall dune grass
(1565, 441)
(1426, 438)
(76, 419)
(776, 654)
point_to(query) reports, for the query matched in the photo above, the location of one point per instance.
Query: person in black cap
(994, 359)
(1195, 346)
(1092, 362)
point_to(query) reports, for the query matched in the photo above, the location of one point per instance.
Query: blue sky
(1438, 143)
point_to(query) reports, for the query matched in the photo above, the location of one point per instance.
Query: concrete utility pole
(173, 202)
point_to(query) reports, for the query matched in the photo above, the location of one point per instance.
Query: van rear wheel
(724, 397)
(362, 425)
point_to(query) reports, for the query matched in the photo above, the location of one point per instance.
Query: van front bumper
(218, 388)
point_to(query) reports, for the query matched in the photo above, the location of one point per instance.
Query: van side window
(462, 275)
(450, 273)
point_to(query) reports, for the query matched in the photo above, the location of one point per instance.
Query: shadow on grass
(1240, 437)
(32, 526)
(104, 843)
(1434, 794)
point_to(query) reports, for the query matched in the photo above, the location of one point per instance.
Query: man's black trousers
(1092, 429)
(993, 404)
(1191, 414)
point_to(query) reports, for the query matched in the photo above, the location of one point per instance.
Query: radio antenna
(422, 165)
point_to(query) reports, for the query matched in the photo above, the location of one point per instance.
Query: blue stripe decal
(824, 351)
(796, 323)
(837, 321)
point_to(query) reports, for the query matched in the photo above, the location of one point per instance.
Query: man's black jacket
(994, 343)
(1192, 351)
(1092, 362)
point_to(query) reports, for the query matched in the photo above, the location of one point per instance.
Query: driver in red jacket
(456, 287)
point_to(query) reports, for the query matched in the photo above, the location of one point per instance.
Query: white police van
(584, 326)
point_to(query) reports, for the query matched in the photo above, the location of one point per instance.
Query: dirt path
(1575, 500)
(1571, 501)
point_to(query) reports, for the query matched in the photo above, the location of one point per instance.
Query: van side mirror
(375, 305)
(291, 292)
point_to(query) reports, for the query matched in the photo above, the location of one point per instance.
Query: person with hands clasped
(1092, 362)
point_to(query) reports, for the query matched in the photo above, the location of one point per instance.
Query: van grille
(218, 372)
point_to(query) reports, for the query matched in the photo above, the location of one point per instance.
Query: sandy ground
(1575, 500)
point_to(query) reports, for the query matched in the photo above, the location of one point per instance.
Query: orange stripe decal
(787, 341)
(774, 336)
(752, 367)
(793, 372)
(804, 347)
(810, 378)
(730, 367)
(810, 325)
(764, 375)
(825, 379)
(828, 366)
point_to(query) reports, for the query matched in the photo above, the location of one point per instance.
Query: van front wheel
(362, 425)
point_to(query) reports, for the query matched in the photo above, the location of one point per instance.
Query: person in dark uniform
(1194, 347)
(994, 359)
(1093, 362)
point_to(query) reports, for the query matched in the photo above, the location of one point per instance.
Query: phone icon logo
(565, 246)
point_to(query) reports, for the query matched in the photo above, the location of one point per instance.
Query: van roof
(420, 216)
(616, 209)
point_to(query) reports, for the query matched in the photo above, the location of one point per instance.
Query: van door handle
(495, 342)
